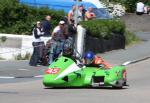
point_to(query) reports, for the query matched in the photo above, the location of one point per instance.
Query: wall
(16, 44)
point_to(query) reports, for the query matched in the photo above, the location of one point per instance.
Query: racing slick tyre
(119, 84)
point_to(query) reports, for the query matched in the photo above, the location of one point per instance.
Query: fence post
(80, 40)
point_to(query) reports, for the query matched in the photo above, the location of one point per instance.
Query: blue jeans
(55, 49)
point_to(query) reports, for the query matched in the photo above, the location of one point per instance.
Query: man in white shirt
(58, 38)
(140, 8)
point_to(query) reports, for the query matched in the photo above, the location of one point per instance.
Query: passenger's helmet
(89, 56)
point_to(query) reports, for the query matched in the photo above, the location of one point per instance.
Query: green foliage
(3, 39)
(104, 28)
(25, 57)
(19, 19)
(2, 58)
(130, 38)
(129, 4)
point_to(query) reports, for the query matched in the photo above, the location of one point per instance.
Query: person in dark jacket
(38, 45)
(46, 26)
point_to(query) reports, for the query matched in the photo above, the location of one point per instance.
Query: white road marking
(38, 76)
(6, 77)
(24, 69)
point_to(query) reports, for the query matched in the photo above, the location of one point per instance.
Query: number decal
(52, 71)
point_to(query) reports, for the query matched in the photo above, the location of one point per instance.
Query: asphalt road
(31, 90)
(34, 92)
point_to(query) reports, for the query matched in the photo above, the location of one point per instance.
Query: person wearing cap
(38, 45)
(58, 38)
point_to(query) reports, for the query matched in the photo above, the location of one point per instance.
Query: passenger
(89, 15)
(90, 59)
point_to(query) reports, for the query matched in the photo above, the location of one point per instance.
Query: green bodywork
(82, 76)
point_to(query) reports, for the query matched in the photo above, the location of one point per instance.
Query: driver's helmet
(89, 56)
(67, 49)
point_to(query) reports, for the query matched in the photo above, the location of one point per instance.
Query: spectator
(71, 14)
(81, 13)
(58, 38)
(46, 26)
(89, 15)
(147, 7)
(140, 8)
(38, 45)
(65, 19)
(72, 30)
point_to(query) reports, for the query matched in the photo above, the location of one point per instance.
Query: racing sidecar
(65, 72)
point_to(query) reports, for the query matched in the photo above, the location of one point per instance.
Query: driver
(90, 59)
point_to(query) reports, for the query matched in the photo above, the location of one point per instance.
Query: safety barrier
(22, 44)
(97, 45)
(17, 45)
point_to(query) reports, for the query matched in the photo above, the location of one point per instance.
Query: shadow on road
(106, 88)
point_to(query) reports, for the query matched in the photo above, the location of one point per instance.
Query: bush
(104, 28)
(130, 38)
(129, 4)
(19, 19)
(24, 57)
(107, 29)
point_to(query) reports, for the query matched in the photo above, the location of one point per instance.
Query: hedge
(129, 4)
(104, 28)
(19, 19)
(112, 29)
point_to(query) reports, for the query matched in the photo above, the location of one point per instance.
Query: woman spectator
(71, 14)
(38, 45)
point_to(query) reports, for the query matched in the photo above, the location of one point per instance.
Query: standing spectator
(72, 30)
(81, 13)
(140, 8)
(46, 26)
(71, 14)
(58, 38)
(89, 15)
(38, 45)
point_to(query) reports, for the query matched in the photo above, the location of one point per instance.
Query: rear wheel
(119, 84)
